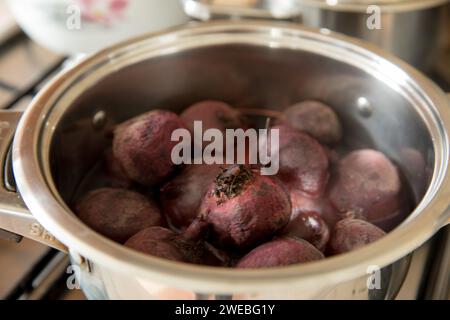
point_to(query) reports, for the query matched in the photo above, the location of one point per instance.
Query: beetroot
(213, 114)
(303, 161)
(115, 172)
(159, 242)
(244, 208)
(333, 156)
(320, 201)
(280, 252)
(181, 197)
(143, 146)
(164, 243)
(311, 219)
(350, 234)
(118, 213)
(321, 206)
(316, 119)
(310, 227)
(368, 185)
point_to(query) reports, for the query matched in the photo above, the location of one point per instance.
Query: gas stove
(33, 271)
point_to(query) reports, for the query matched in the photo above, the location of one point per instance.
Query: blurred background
(39, 38)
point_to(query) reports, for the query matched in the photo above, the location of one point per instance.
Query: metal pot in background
(411, 29)
(382, 102)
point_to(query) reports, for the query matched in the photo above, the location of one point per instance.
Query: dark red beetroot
(143, 146)
(244, 208)
(279, 252)
(164, 243)
(115, 172)
(315, 118)
(350, 234)
(320, 206)
(367, 184)
(310, 227)
(303, 161)
(213, 114)
(159, 242)
(181, 197)
(333, 156)
(118, 213)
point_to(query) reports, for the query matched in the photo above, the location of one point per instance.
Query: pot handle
(270, 9)
(15, 218)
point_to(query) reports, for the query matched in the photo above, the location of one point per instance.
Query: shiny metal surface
(289, 8)
(439, 277)
(412, 35)
(246, 64)
(411, 29)
(278, 9)
(14, 215)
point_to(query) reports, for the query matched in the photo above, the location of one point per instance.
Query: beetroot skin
(159, 242)
(319, 202)
(315, 118)
(321, 206)
(311, 219)
(303, 161)
(310, 227)
(181, 197)
(164, 243)
(213, 114)
(367, 184)
(143, 146)
(280, 252)
(350, 234)
(244, 208)
(118, 213)
(115, 172)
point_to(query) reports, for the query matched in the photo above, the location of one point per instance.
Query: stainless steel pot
(382, 102)
(411, 29)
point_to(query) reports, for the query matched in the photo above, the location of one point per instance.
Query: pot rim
(202, 9)
(362, 5)
(32, 171)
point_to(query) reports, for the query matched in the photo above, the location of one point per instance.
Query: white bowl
(83, 26)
